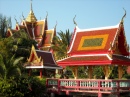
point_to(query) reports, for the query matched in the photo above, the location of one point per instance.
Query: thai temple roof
(97, 46)
(41, 59)
(93, 40)
(37, 30)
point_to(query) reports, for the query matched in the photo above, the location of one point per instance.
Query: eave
(94, 59)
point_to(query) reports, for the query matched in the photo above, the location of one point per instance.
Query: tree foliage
(5, 23)
(61, 43)
(22, 86)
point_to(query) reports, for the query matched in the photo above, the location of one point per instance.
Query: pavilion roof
(93, 40)
(41, 59)
(94, 59)
(98, 46)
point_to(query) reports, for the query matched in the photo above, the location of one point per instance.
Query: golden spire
(31, 17)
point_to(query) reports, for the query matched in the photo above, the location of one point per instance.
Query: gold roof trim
(33, 51)
(31, 17)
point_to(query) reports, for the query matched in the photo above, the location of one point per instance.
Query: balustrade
(84, 85)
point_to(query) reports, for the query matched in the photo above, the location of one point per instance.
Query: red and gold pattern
(103, 43)
(107, 35)
(33, 59)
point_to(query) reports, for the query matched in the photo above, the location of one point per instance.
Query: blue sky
(89, 13)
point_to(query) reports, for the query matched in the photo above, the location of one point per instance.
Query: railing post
(118, 87)
(99, 94)
(58, 86)
(99, 87)
(78, 84)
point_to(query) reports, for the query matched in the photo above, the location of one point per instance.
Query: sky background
(89, 13)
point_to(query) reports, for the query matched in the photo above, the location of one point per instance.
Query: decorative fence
(98, 86)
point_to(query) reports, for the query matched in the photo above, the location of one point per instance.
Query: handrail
(85, 85)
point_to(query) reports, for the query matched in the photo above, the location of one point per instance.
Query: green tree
(5, 23)
(22, 44)
(61, 43)
(10, 68)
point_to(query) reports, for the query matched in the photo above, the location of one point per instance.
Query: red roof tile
(39, 28)
(93, 40)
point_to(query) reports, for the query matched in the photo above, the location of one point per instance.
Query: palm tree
(61, 44)
(10, 68)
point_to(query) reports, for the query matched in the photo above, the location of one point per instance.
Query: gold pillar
(120, 71)
(90, 72)
(107, 70)
(75, 71)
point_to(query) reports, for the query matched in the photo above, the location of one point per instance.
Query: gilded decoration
(33, 59)
(31, 17)
(93, 42)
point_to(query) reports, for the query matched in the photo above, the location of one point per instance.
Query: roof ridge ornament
(15, 19)
(23, 16)
(55, 25)
(31, 5)
(46, 14)
(74, 20)
(122, 20)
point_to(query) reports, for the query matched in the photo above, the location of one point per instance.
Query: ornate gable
(120, 45)
(33, 59)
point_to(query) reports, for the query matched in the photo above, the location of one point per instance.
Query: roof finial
(31, 17)
(74, 20)
(46, 14)
(23, 16)
(31, 4)
(15, 19)
(56, 24)
(122, 20)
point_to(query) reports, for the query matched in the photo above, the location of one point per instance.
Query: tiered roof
(98, 46)
(36, 29)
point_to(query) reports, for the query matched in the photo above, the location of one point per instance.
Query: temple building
(41, 58)
(36, 29)
(104, 46)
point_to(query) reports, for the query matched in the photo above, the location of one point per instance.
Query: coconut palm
(10, 68)
(61, 44)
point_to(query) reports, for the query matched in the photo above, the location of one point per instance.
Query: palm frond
(16, 61)
(61, 43)
(2, 67)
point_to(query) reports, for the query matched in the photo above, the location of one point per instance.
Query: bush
(23, 86)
